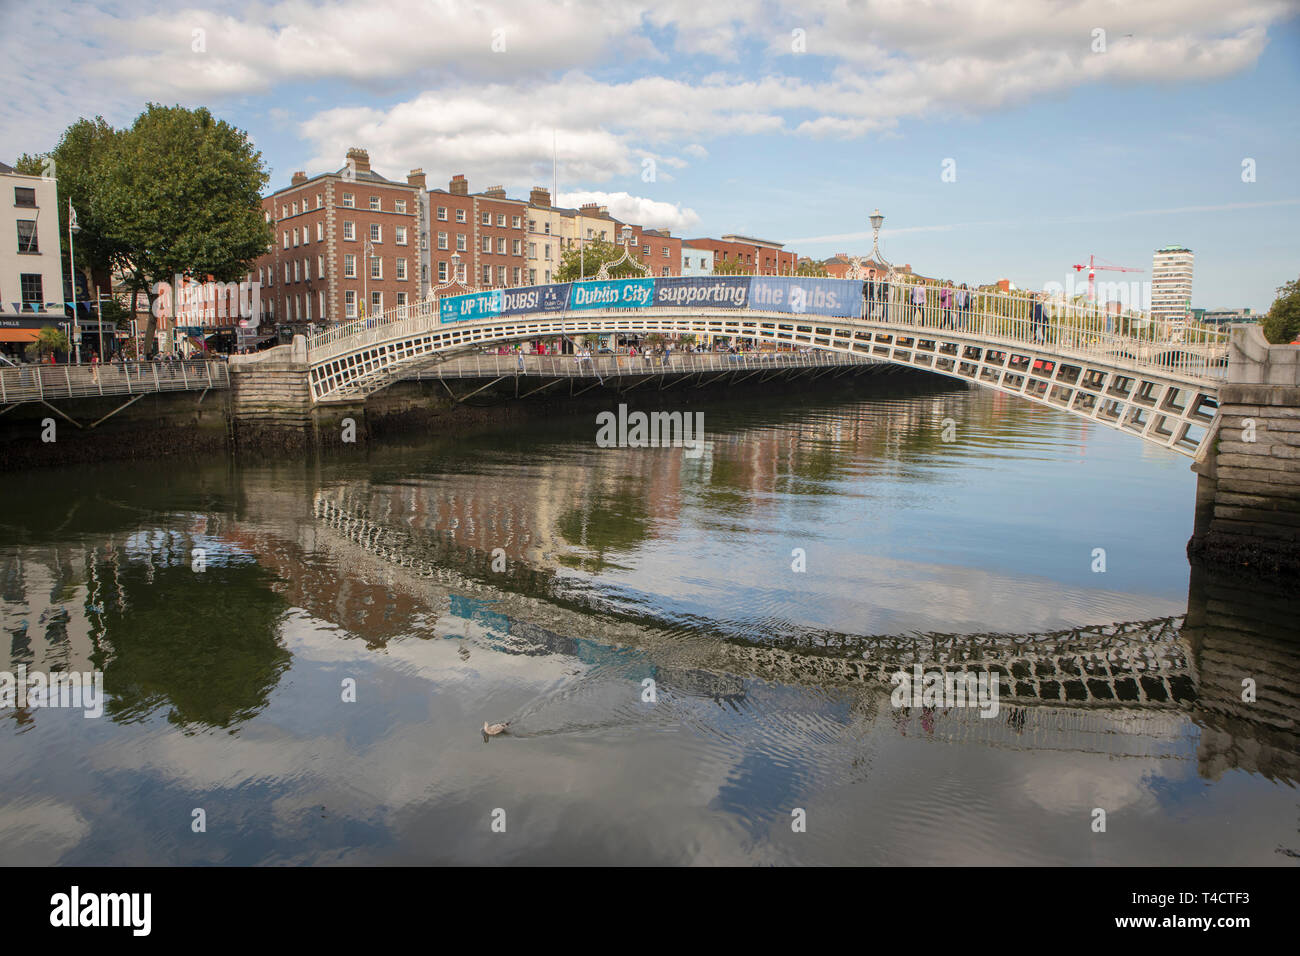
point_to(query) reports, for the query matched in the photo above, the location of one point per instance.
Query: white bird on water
(491, 730)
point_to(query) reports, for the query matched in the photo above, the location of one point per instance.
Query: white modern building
(696, 261)
(1171, 282)
(31, 259)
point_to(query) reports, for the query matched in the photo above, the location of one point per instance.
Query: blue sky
(789, 121)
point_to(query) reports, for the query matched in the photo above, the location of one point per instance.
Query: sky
(1000, 138)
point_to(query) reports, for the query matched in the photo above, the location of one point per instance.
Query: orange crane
(1093, 265)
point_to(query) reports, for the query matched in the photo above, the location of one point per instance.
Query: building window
(516, 247)
(349, 231)
(487, 275)
(306, 270)
(320, 266)
(306, 301)
(548, 275)
(350, 304)
(442, 240)
(349, 201)
(532, 277)
(501, 219)
(27, 236)
(295, 238)
(25, 196)
(400, 235)
(401, 299)
(376, 232)
(295, 208)
(284, 211)
(286, 239)
(376, 267)
(548, 252)
(322, 311)
(532, 250)
(515, 222)
(442, 272)
(460, 242)
(399, 205)
(32, 291)
(401, 269)
(320, 232)
(376, 303)
(664, 271)
(349, 266)
(514, 276)
(321, 301)
(374, 203)
(460, 215)
(665, 251)
(487, 244)
(286, 272)
(442, 213)
(501, 247)
(296, 273)
(501, 275)
(487, 218)
(546, 228)
(645, 250)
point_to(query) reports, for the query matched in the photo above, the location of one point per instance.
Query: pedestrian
(882, 296)
(962, 299)
(869, 294)
(918, 303)
(945, 303)
(1037, 320)
(94, 367)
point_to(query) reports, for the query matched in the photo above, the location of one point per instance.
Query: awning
(19, 335)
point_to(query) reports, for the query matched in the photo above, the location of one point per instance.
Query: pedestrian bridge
(1153, 379)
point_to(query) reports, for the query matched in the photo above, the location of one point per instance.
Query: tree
(29, 165)
(49, 339)
(1282, 324)
(809, 268)
(589, 260)
(732, 267)
(178, 192)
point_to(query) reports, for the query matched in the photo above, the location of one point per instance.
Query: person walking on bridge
(962, 300)
(918, 303)
(869, 295)
(945, 304)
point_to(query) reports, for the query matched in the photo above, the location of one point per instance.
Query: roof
(5, 168)
(1173, 249)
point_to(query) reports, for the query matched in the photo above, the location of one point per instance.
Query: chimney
(415, 178)
(665, 233)
(495, 192)
(540, 196)
(459, 185)
(297, 178)
(358, 160)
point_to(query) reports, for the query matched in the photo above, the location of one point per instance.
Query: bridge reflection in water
(1139, 689)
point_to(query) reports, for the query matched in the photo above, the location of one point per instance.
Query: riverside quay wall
(1248, 489)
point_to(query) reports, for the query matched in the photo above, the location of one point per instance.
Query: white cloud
(651, 213)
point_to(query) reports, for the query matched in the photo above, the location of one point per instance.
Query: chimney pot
(298, 177)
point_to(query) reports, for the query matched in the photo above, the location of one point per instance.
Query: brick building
(487, 229)
(340, 238)
(837, 266)
(759, 256)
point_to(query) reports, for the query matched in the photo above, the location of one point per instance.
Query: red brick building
(759, 256)
(346, 244)
(658, 249)
(837, 266)
(487, 229)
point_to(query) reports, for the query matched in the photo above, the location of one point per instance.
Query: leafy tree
(29, 165)
(809, 268)
(589, 260)
(49, 339)
(732, 267)
(182, 193)
(1282, 324)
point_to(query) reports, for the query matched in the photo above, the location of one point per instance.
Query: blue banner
(799, 294)
(725, 292)
(613, 294)
(475, 305)
(537, 298)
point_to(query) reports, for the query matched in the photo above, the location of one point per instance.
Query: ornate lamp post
(626, 257)
(73, 229)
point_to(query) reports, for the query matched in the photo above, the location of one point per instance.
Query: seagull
(491, 730)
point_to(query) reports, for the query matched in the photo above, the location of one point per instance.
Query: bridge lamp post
(73, 229)
(368, 249)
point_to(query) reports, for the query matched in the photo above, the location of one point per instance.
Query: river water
(694, 653)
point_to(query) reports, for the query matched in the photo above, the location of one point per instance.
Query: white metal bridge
(1153, 379)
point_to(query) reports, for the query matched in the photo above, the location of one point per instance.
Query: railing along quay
(43, 383)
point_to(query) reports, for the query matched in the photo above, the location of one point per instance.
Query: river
(693, 652)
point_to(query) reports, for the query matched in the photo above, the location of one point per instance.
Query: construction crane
(1093, 265)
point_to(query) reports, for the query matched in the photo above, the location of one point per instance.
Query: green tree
(49, 339)
(589, 260)
(29, 165)
(732, 267)
(179, 192)
(1282, 324)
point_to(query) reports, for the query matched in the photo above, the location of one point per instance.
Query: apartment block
(487, 229)
(544, 240)
(696, 261)
(1171, 282)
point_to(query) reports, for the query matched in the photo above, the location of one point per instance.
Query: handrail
(52, 382)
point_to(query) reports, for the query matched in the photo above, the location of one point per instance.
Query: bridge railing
(28, 383)
(1134, 337)
(575, 366)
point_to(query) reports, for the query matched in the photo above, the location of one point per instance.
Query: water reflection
(770, 687)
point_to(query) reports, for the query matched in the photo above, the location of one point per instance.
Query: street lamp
(73, 229)
(367, 249)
